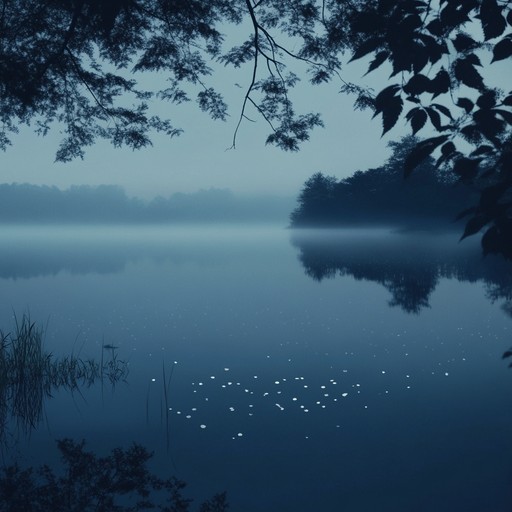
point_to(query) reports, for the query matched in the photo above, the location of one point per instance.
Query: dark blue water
(335, 371)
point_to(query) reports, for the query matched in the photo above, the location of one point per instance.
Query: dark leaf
(490, 196)
(466, 104)
(448, 148)
(391, 113)
(508, 100)
(436, 28)
(384, 97)
(487, 99)
(487, 122)
(418, 84)
(505, 114)
(474, 59)
(440, 84)
(465, 213)
(390, 105)
(466, 73)
(418, 120)
(471, 133)
(368, 46)
(493, 23)
(466, 168)
(435, 118)
(508, 353)
(502, 49)
(474, 225)
(421, 151)
(444, 110)
(452, 17)
(482, 150)
(463, 42)
(378, 60)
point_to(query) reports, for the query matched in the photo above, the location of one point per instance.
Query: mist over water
(303, 368)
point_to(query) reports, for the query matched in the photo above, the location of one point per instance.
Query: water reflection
(409, 266)
(29, 375)
(120, 481)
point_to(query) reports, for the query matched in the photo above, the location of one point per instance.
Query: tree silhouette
(120, 481)
(70, 63)
(380, 196)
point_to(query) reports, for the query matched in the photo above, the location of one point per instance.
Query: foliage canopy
(78, 63)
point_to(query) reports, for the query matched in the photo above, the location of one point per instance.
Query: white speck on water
(408, 376)
(318, 403)
(322, 387)
(305, 386)
(178, 412)
(326, 394)
(344, 394)
(323, 406)
(383, 371)
(200, 384)
(240, 434)
(202, 426)
(306, 410)
(255, 377)
(231, 409)
(250, 405)
(294, 399)
(265, 394)
(408, 387)
(276, 382)
(281, 408)
(230, 383)
(446, 374)
(212, 377)
(153, 380)
(193, 409)
(226, 369)
(188, 416)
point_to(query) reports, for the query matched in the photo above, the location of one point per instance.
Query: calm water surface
(331, 371)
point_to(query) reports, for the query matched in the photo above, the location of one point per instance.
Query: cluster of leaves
(436, 51)
(119, 482)
(73, 63)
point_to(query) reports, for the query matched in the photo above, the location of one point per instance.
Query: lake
(349, 370)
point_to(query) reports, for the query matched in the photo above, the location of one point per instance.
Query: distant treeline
(24, 203)
(382, 196)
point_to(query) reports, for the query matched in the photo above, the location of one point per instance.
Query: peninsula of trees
(382, 197)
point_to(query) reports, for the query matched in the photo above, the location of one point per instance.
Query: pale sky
(198, 159)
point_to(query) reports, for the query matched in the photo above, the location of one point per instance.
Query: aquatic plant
(29, 374)
(120, 482)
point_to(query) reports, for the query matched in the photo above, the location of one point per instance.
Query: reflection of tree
(118, 482)
(409, 266)
(29, 375)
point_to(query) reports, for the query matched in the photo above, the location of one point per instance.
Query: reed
(29, 374)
